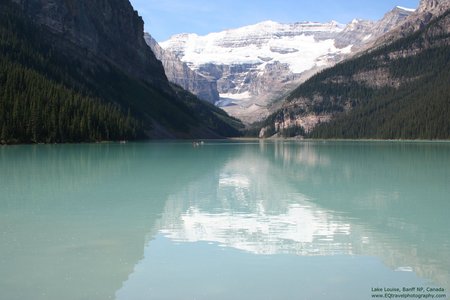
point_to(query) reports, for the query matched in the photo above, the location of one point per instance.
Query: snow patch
(406, 9)
(241, 96)
(347, 50)
(367, 37)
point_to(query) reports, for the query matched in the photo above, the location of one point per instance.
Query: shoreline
(234, 139)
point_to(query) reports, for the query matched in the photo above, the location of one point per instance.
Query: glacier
(255, 66)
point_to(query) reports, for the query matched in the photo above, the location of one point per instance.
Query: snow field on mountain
(260, 44)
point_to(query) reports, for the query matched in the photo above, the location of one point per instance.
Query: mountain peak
(268, 23)
(255, 64)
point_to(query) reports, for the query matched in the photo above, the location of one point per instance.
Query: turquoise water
(226, 220)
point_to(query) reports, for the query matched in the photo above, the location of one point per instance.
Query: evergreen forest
(413, 101)
(52, 96)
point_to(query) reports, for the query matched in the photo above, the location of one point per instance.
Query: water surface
(227, 220)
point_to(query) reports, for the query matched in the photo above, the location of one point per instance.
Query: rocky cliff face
(256, 65)
(253, 65)
(431, 5)
(97, 26)
(427, 11)
(179, 73)
(361, 33)
(98, 47)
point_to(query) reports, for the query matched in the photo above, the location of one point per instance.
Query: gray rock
(204, 87)
(95, 27)
(428, 10)
(267, 81)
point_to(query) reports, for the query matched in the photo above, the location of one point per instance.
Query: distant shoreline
(235, 139)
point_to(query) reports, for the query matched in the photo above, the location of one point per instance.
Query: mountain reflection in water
(241, 220)
(385, 200)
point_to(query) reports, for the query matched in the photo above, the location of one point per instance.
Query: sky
(164, 18)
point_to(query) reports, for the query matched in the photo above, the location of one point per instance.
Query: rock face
(258, 64)
(179, 73)
(98, 26)
(427, 11)
(102, 43)
(253, 65)
(430, 5)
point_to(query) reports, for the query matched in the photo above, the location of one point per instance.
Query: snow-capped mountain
(396, 89)
(258, 44)
(257, 64)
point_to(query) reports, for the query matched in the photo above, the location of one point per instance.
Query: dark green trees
(53, 90)
(397, 91)
(35, 109)
(41, 101)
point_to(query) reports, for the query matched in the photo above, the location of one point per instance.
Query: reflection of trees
(369, 197)
(93, 207)
(75, 219)
(397, 192)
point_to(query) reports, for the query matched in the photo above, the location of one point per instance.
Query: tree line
(416, 108)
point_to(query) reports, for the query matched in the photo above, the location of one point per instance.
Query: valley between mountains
(251, 68)
(86, 71)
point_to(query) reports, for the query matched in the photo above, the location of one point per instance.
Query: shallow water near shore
(224, 220)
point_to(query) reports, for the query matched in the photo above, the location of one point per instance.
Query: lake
(224, 220)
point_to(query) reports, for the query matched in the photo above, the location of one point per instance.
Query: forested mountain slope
(397, 91)
(255, 66)
(65, 77)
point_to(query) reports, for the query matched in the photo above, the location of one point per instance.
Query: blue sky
(164, 18)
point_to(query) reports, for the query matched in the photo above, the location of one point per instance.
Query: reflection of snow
(404, 269)
(300, 230)
(236, 96)
(249, 209)
(237, 181)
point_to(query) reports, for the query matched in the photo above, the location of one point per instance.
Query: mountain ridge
(97, 26)
(424, 14)
(398, 89)
(82, 72)
(256, 64)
